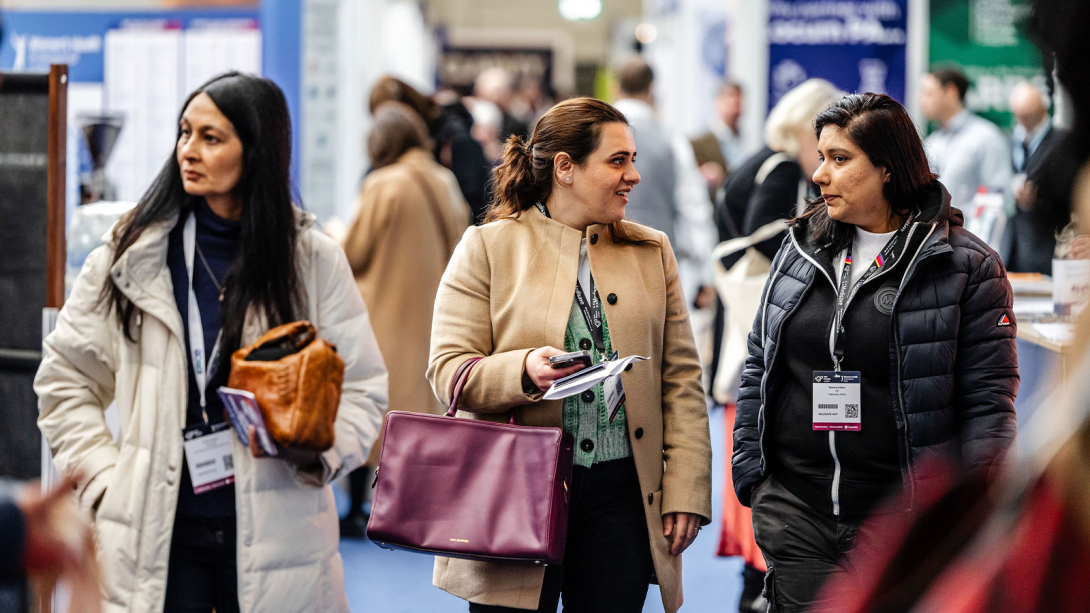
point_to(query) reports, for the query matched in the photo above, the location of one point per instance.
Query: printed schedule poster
(858, 45)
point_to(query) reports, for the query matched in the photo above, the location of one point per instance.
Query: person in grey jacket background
(885, 337)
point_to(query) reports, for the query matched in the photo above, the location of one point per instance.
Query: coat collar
(141, 272)
(930, 236)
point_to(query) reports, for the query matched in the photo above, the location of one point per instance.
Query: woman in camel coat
(409, 218)
(641, 486)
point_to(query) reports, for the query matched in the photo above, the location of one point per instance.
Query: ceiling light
(646, 33)
(580, 10)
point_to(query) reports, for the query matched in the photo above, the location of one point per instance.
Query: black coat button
(593, 239)
(639, 432)
(588, 396)
(650, 499)
(584, 344)
(612, 298)
(628, 368)
(587, 445)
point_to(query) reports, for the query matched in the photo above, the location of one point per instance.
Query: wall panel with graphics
(32, 124)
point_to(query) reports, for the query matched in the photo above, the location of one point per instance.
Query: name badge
(615, 397)
(208, 455)
(836, 400)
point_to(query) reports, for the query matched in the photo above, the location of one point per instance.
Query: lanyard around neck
(204, 367)
(846, 291)
(591, 309)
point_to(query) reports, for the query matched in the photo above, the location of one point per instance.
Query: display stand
(33, 110)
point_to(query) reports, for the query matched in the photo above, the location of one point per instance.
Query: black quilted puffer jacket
(952, 349)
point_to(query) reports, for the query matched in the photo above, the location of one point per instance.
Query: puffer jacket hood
(954, 365)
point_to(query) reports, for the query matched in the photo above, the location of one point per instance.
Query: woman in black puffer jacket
(898, 344)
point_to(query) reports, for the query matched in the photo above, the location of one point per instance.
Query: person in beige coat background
(409, 217)
(508, 295)
(121, 337)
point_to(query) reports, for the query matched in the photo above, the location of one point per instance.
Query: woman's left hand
(305, 460)
(683, 528)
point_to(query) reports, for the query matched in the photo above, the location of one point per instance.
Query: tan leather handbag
(296, 378)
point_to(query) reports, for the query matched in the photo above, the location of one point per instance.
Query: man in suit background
(1044, 177)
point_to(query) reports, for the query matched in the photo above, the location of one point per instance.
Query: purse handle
(459, 383)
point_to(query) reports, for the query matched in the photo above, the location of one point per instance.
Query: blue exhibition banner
(858, 45)
(32, 40)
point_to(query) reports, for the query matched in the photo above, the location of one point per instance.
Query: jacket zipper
(907, 461)
(768, 366)
(834, 490)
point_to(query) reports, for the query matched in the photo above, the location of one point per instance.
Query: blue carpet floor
(381, 581)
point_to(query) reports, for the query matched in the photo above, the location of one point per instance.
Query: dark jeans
(202, 575)
(803, 547)
(607, 559)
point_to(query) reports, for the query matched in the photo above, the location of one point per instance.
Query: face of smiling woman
(851, 184)
(596, 192)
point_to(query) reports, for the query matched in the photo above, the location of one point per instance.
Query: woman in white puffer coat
(128, 333)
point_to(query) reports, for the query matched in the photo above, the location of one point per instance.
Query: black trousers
(803, 547)
(203, 574)
(607, 558)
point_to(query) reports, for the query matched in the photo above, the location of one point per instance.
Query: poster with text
(986, 40)
(858, 45)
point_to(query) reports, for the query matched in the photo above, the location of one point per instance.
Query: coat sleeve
(343, 321)
(746, 460)
(75, 383)
(986, 368)
(462, 329)
(686, 439)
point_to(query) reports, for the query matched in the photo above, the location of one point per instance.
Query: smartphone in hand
(565, 360)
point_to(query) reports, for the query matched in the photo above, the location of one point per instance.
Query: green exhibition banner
(987, 40)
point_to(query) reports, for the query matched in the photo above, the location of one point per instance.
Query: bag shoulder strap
(742, 243)
(459, 383)
(769, 165)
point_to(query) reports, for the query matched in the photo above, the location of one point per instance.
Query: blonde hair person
(790, 125)
(642, 477)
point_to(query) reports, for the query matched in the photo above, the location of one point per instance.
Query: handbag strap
(742, 243)
(459, 383)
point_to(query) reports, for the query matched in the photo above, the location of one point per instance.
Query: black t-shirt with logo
(870, 458)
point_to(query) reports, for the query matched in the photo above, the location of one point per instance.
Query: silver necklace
(208, 269)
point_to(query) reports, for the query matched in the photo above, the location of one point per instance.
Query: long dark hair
(525, 176)
(879, 126)
(265, 275)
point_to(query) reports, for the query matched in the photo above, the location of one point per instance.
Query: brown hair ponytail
(516, 187)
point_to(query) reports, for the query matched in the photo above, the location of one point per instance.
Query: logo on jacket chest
(884, 299)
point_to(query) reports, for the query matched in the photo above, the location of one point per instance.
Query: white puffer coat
(287, 521)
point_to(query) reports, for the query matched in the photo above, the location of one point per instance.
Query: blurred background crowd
(401, 109)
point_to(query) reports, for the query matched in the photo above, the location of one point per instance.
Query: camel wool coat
(288, 557)
(508, 290)
(407, 223)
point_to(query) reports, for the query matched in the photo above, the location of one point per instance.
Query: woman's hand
(683, 528)
(538, 370)
(305, 460)
(1080, 247)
